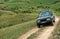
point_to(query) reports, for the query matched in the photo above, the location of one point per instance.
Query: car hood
(44, 17)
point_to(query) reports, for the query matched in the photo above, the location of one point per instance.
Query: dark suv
(45, 17)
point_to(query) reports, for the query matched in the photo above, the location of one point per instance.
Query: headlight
(38, 20)
(48, 19)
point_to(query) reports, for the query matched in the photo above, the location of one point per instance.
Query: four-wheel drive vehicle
(45, 17)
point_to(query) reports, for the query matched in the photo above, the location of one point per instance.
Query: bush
(55, 2)
(58, 9)
(47, 7)
(40, 6)
(27, 11)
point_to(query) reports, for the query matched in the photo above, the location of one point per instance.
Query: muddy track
(44, 34)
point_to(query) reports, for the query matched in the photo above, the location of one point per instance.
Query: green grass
(19, 6)
(8, 13)
(10, 20)
(15, 31)
(57, 13)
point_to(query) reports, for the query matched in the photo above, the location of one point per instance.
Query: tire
(54, 19)
(52, 23)
(38, 25)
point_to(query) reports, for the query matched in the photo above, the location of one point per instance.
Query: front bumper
(43, 22)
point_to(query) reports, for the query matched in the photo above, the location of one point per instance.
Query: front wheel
(38, 25)
(52, 23)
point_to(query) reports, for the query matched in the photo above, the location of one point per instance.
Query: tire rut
(26, 35)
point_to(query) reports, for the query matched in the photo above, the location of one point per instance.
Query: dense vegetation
(15, 12)
(28, 6)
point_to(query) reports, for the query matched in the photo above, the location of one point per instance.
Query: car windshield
(43, 14)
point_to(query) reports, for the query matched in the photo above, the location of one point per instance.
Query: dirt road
(45, 33)
(24, 36)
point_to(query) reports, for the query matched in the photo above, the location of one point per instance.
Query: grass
(10, 20)
(57, 13)
(56, 33)
(4, 12)
(17, 30)
(28, 6)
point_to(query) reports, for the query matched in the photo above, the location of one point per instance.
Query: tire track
(26, 35)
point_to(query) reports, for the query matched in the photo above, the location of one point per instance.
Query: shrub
(47, 7)
(40, 6)
(55, 2)
(27, 11)
(58, 9)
